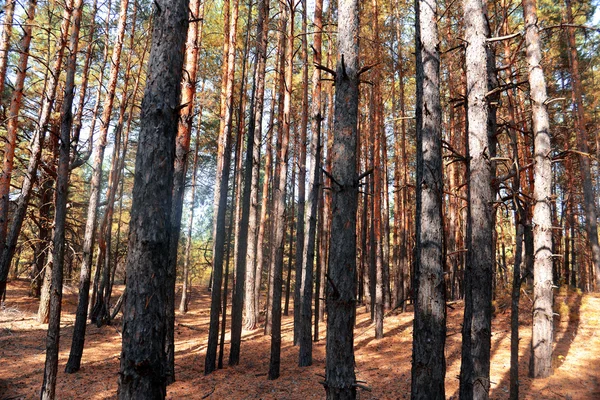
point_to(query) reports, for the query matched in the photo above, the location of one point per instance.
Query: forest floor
(384, 364)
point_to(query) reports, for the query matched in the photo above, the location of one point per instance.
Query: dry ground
(384, 364)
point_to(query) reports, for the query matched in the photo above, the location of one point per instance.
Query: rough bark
(60, 213)
(543, 326)
(429, 331)
(341, 302)
(143, 374)
(475, 366)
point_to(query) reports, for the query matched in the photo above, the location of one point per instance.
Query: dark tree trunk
(341, 279)
(143, 374)
(429, 331)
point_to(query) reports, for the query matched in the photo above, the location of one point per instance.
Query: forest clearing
(383, 364)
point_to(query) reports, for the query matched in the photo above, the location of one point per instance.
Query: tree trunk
(182, 148)
(60, 213)
(16, 102)
(255, 137)
(242, 214)
(301, 156)
(143, 374)
(341, 303)
(310, 221)
(36, 149)
(279, 189)
(222, 179)
(183, 305)
(96, 183)
(543, 326)
(475, 366)
(429, 331)
(589, 199)
(9, 12)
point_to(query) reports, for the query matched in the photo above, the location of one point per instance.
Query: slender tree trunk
(36, 149)
(96, 183)
(183, 306)
(7, 22)
(589, 199)
(255, 137)
(290, 218)
(143, 374)
(263, 211)
(242, 214)
(220, 197)
(279, 189)
(281, 88)
(341, 303)
(182, 148)
(378, 176)
(429, 331)
(310, 220)
(60, 213)
(543, 326)
(301, 156)
(78, 157)
(16, 102)
(475, 366)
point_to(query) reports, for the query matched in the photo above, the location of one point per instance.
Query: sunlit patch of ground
(384, 365)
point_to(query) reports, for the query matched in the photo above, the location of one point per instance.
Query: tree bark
(475, 366)
(143, 374)
(341, 298)
(429, 331)
(543, 326)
